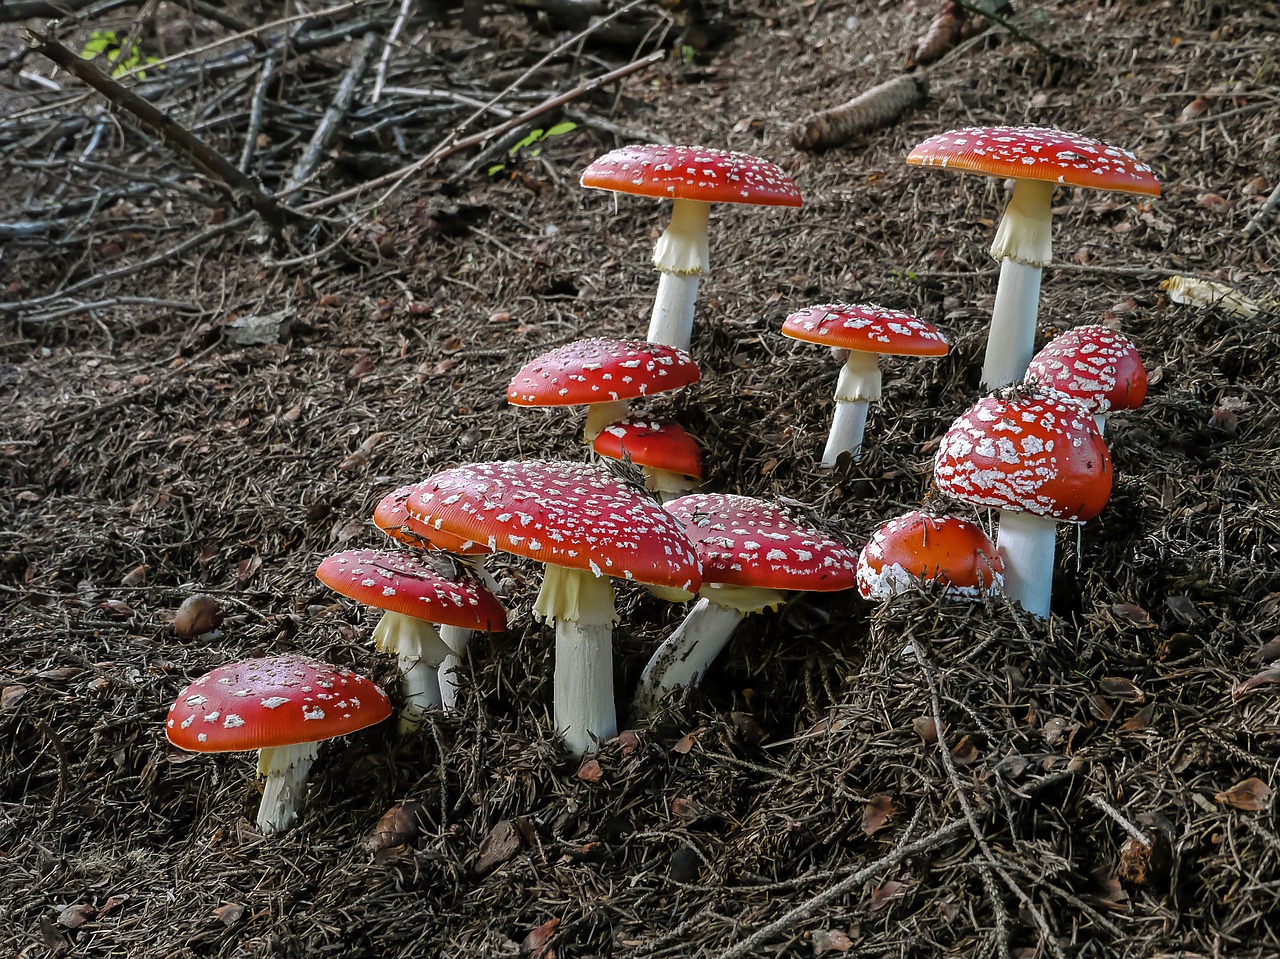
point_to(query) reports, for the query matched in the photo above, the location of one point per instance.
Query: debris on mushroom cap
(660, 445)
(743, 541)
(1029, 451)
(692, 173)
(405, 583)
(569, 514)
(867, 328)
(600, 370)
(928, 548)
(1037, 153)
(277, 701)
(392, 517)
(1097, 366)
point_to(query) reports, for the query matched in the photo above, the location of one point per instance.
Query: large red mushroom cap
(406, 583)
(568, 514)
(601, 370)
(1037, 153)
(1099, 367)
(928, 548)
(1027, 451)
(278, 701)
(866, 328)
(692, 173)
(656, 444)
(392, 517)
(743, 541)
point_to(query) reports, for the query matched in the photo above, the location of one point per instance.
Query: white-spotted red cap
(920, 548)
(601, 370)
(277, 701)
(866, 328)
(1037, 153)
(1028, 451)
(569, 514)
(692, 173)
(743, 541)
(657, 444)
(406, 583)
(1097, 366)
(392, 517)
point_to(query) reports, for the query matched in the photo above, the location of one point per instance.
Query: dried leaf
(395, 830)
(590, 771)
(1132, 613)
(361, 368)
(535, 943)
(451, 345)
(885, 893)
(501, 844)
(228, 913)
(360, 457)
(73, 917)
(1121, 689)
(116, 607)
(628, 741)
(879, 809)
(1251, 795)
(1195, 108)
(688, 740)
(11, 695)
(136, 576)
(965, 751)
(1140, 720)
(1208, 293)
(246, 569)
(686, 809)
(830, 940)
(926, 729)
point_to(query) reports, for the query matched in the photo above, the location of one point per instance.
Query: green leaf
(533, 137)
(560, 129)
(496, 169)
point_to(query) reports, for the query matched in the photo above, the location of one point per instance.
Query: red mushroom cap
(1094, 365)
(744, 541)
(659, 445)
(926, 547)
(278, 701)
(1026, 451)
(404, 583)
(392, 517)
(1037, 153)
(601, 371)
(569, 514)
(692, 173)
(866, 328)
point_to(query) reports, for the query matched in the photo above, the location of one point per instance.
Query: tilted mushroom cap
(1094, 365)
(692, 173)
(659, 445)
(867, 328)
(1026, 451)
(569, 514)
(743, 541)
(920, 547)
(392, 517)
(601, 370)
(277, 701)
(1037, 153)
(406, 583)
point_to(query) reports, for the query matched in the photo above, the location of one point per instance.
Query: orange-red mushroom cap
(277, 701)
(600, 370)
(866, 328)
(920, 547)
(657, 444)
(692, 173)
(1095, 365)
(403, 582)
(1037, 153)
(392, 517)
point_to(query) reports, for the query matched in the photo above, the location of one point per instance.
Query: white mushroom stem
(858, 385)
(685, 655)
(581, 606)
(1027, 543)
(600, 415)
(1024, 246)
(285, 769)
(681, 255)
(666, 485)
(1101, 420)
(457, 639)
(420, 651)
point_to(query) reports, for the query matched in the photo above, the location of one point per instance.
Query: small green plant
(530, 140)
(106, 42)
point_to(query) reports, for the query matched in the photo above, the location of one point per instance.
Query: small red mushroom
(1095, 366)
(282, 706)
(930, 549)
(669, 458)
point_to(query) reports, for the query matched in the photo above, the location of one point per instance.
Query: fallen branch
(1266, 210)
(881, 106)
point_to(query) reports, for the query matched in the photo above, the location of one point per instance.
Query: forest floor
(189, 408)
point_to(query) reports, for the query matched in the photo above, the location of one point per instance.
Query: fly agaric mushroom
(930, 549)
(586, 526)
(1038, 159)
(603, 375)
(1039, 458)
(669, 458)
(414, 596)
(1095, 366)
(392, 517)
(753, 553)
(282, 706)
(692, 178)
(865, 332)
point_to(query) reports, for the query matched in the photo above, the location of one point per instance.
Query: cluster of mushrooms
(1033, 449)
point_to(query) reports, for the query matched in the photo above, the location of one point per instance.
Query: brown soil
(1091, 792)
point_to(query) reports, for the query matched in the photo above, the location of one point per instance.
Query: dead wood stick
(384, 60)
(327, 128)
(256, 107)
(881, 106)
(1258, 219)
(243, 191)
(396, 177)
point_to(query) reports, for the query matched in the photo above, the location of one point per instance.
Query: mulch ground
(1098, 784)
